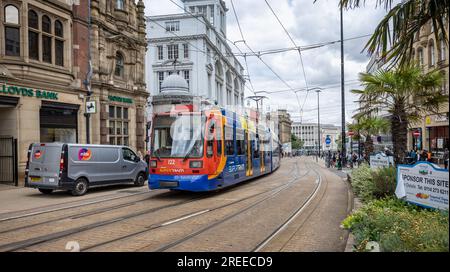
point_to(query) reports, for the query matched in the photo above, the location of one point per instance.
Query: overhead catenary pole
(318, 124)
(343, 138)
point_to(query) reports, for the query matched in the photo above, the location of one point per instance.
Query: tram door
(213, 151)
(249, 170)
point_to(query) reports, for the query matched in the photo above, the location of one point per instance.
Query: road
(297, 208)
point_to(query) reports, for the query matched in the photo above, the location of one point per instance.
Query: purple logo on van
(84, 154)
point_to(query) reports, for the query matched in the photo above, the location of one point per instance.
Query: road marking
(184, 218)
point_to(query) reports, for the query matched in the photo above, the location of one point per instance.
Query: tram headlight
(196, 164)
(153, 164)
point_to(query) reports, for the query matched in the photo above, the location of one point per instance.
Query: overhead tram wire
(299, 52)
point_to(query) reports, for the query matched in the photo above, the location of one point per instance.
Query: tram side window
(210, 141)
(229, 141)
(219, 141)
(255, 141)
(240, 142)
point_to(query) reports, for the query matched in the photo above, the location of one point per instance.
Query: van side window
(128, 155)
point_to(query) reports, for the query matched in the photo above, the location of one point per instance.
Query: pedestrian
(446, 155)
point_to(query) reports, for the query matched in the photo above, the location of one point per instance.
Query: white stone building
(193, 44)
(308, 133)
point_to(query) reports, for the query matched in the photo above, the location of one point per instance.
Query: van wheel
(140, 180)
(46, 191)
(80, 188)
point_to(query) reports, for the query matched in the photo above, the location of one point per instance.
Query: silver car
(76, 167)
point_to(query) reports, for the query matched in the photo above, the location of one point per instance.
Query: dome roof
(174, 84)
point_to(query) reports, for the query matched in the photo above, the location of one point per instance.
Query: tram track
(185, 217)
(101, 210)
(54, 236)
(294, 215)
(225, 219)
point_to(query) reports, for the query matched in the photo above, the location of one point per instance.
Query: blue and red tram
(209, 149)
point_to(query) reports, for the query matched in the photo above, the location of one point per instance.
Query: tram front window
(178, 137)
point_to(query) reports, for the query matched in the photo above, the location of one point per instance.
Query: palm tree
(394, 36)
(369, 126)
(406, 94)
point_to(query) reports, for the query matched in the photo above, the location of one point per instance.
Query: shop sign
(428, 120)
(120, 99)
(423, 184)
(380, 160)
(441, 118)
(14, 90)
(440, 143)
(91, 107)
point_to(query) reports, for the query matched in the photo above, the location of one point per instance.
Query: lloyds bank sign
(15, 90)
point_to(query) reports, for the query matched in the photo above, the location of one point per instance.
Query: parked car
(77, 167)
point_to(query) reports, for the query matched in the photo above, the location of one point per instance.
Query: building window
(160, 80)
(119, 65)
(202, 10)
(442, 49)
(12, 31)
(172, 26)
(46, 40)
(172, 51)
(186, 76)
(160, 52)
(33, 35)
(420, 53)
(118, 125)
(120, 4)
(186, 50)
(211, 18)
(59, 43)
(431, 53)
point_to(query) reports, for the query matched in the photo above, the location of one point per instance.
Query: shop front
(30, 114)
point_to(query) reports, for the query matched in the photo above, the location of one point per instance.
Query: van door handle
(37, 169)
(124, 166)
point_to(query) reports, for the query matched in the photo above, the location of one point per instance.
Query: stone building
(118, 49)
(44, 63)
(432, 54)
(194, 45)
(308, 133)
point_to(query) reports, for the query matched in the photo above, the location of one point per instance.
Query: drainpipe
(87, 81)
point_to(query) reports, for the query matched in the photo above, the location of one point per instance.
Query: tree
(296, 143)
(406, 94)
(394, 36)
(369, 126)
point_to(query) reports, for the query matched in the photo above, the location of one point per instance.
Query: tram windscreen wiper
(188, 154)
(156, 154)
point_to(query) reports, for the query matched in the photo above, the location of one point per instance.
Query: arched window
(120, 4)
(119, 65)
(12, 31)
(431, 54)
(46, 24)
(59, 30)
(33, 35)
(11, 15)
(59, 43)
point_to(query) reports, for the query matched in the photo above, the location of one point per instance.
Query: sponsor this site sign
(381, 160)
(423, 184)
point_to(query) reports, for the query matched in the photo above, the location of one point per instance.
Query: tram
(209, 149)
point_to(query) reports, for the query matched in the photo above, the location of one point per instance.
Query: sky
(308, 23)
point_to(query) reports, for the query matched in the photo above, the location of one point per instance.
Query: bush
(371, 184)
(362, 183)
(384, 182)
(399, 226)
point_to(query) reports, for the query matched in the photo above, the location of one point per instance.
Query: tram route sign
(423, 184)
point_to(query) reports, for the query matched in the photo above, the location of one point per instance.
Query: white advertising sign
(91, 107)
(423, 184)
(380, 161)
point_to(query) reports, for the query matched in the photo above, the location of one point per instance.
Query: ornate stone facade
(118, 49)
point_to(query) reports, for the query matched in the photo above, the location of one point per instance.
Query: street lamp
(318, 122)
(343, 149)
